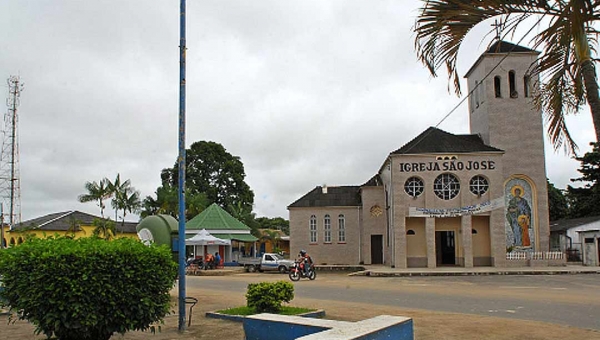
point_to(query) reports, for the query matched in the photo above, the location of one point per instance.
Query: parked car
(267, 262)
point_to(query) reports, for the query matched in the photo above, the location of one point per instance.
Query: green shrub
(87, 288)
(268, 296)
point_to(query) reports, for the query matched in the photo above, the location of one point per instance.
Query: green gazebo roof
(215, 218)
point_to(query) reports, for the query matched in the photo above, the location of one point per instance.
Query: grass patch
(285, 310)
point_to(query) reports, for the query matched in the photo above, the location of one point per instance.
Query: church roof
(215, 218)
(434, 140)
(501, 46)
(343, 196)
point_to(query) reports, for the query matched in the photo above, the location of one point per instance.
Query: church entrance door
(445, 248)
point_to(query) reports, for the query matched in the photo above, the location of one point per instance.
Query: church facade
(442, 198)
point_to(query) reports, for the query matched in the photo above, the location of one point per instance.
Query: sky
(305, 93)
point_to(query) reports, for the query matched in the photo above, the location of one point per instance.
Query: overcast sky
(305, 92)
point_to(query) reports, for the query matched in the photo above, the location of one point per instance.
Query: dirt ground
(428, 325)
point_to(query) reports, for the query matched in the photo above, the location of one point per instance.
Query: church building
(445, 199)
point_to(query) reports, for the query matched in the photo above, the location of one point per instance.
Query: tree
(246, 216)
(566, 61)
(118, 190)
(104, 228)
(277, 223)
(128, 201)
(87, 288)
(557, 203)
(96, 192)
(211, 170)
(584, 200)
(167, 202)
(212, 176)
(273, 236)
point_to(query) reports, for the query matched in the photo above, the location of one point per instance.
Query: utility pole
(181, 159)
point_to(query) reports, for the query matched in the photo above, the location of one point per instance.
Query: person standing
(217, 259)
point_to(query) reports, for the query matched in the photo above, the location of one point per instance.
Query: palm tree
(274, 236)
(128, 201)
(565, 37)
(118, 192)
(104, 228)
(96, 192)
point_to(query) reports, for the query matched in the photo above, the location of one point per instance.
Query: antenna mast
(10, 191)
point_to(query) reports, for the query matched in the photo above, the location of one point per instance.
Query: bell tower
(502, 112)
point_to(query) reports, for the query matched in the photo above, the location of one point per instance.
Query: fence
(535, 255)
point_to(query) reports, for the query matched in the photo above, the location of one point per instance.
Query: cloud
(304, 92)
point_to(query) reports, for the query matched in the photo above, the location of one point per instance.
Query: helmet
(302, 252)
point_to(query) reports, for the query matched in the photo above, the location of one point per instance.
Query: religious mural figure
(518, 215)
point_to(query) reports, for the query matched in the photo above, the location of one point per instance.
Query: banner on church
(454, 212)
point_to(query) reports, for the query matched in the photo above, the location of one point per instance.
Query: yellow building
(274, 241)
(70, 223)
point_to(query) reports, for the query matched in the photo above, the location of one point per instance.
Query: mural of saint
(518, 216)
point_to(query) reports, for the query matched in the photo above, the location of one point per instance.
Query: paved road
(572, 300)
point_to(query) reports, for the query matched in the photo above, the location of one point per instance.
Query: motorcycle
(296, 272)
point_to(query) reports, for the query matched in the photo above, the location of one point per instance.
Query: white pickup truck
(268, 261)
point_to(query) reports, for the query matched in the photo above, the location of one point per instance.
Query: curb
(320, 313)
(499, 272)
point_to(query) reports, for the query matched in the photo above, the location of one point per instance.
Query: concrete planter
(240, 318)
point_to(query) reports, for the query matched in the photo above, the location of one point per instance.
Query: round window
(413, 186)
(478, 185)
(446, 186)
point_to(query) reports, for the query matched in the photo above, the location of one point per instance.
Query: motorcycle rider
(306, 261)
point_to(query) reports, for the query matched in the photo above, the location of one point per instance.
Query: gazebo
(220, 224)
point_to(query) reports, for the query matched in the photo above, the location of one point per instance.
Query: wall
(326, 253)
(416, 244)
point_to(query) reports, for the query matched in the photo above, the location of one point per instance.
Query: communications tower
(10, 191)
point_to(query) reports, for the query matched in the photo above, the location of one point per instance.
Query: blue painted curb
(320, 313)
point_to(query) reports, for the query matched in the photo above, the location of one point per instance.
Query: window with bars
(446, 186)
(341, 228)
(327, 229)
(478, 185)
(313, 229)
(413, 186)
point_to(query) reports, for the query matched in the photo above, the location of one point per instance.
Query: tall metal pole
(13, 154)
(182, 168)
(2, 245)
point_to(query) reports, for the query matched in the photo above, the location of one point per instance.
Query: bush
(87, 288)
(268, 296)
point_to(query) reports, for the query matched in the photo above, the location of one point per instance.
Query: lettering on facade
(447, 166)
(454, 212)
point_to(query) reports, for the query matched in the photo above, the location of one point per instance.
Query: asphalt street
(572, 300)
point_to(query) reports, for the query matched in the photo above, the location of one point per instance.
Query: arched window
(313, 229)
(12, 241)
(20, 240)
(497, 89)
(341, 228)
(512, 85)
(410, 232)
(526, 86)
(327, 229)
